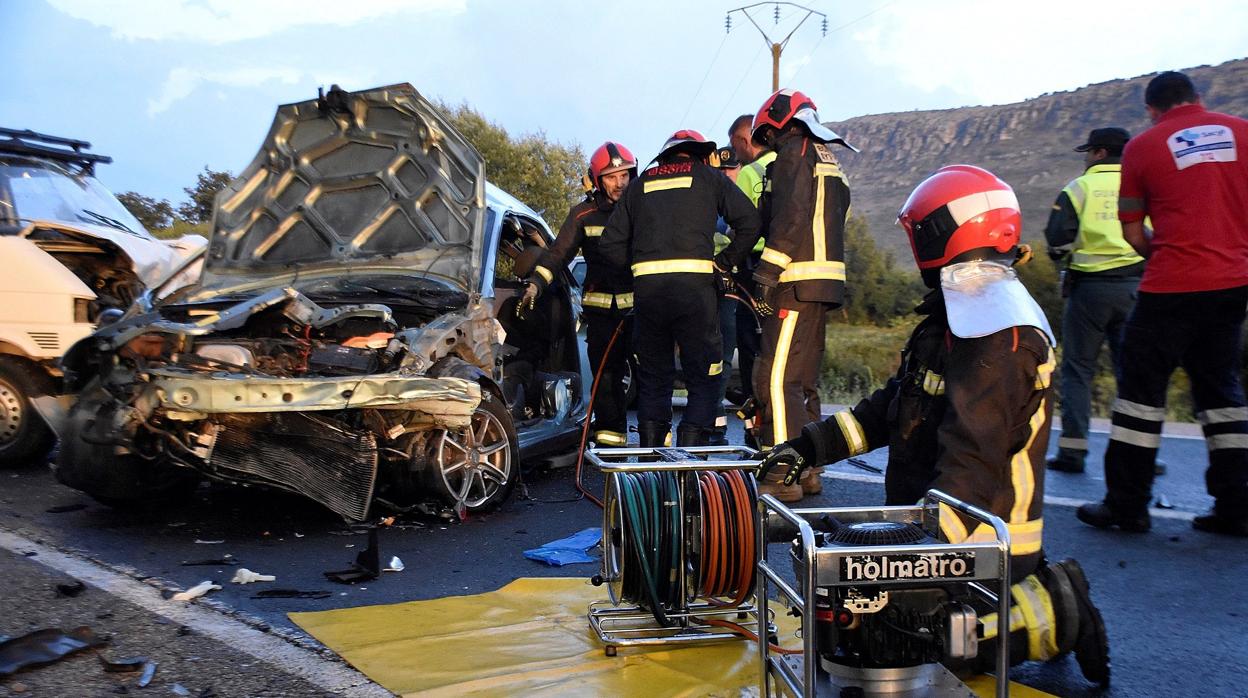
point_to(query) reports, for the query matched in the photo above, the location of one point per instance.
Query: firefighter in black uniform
(608, 292)
(968, 410)
(801, 275)
(664, 229)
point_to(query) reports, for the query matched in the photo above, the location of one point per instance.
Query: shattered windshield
(33, 190)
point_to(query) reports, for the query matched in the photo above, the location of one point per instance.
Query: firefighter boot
(773, 484)
(651, 434)
(1080, 627)
(693, 435)
(811, 481)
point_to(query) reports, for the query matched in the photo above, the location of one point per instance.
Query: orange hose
(749, 634)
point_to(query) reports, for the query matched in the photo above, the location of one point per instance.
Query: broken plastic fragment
(367, 564)
(290, 594)
(44, 647)
(209, 542)
(179, 689)
(70, 589)
(246, 576)
(227, 561)
(396, 565)
(149, 671)
(1163, 502)
(196, 591)
(122, 665)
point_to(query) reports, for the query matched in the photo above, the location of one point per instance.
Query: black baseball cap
(1112, 137)
(728, 159)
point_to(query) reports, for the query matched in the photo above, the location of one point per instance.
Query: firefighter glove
(765, 300)
(529, 300)
(793, 456)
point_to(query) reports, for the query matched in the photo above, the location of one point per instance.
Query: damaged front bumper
(186, 395)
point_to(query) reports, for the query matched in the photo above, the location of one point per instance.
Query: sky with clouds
(169, 86)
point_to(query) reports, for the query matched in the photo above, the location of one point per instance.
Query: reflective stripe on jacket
(969, 417)
(805, 226)
(1098, 244)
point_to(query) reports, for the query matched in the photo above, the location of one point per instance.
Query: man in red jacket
(1189, 174)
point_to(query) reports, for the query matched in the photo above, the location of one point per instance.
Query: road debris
(123, 665)
(367, 564)
(209, 542)
(149, 672)
(196, 591)
(1163, 502)
(179, 690)
(70, 589)
(291, 594)
(246, 576)
(44, 647)
(226, 561)
(569, 550)
(396, 565)
(66, 508)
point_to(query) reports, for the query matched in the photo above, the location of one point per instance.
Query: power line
(741, 82)
(702, 84)
(832, 31)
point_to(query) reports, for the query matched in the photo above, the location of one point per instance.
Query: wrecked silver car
(352, 337)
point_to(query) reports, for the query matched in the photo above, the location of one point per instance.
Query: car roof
(497, 198)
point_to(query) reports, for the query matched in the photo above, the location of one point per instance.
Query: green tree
(198, 207)
(1041, 279)
(154, 214)
(542, 173)
(876, 290)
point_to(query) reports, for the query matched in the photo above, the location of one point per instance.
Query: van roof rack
(32, 143)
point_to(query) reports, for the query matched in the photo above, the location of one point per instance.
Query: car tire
(24, 437)
(478, 466)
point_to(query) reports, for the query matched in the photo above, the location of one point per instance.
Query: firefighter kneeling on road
(968, 410)
(664, 227)
(608, 296)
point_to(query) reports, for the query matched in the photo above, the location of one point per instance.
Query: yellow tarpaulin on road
(530, 638)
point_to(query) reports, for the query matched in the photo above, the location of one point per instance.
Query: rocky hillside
(1028, 144)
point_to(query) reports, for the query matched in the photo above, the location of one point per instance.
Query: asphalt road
(1174, 599)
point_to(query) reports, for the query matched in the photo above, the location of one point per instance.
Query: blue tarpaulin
(567, 551)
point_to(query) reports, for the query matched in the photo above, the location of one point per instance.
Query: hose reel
(680, 545)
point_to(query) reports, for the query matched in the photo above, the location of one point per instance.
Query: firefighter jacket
(665, 222)
(606, 288)
(1084, 224)
(968, 416)
(805, 211)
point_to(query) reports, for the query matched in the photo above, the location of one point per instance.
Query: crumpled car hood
(350, 178)
(150, 259)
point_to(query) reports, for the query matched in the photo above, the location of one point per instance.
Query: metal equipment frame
(821, 570)
(631, 625)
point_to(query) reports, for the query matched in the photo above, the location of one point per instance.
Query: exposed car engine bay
(334, 401)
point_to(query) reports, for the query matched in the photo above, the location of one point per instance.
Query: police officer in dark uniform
(664, 230)
(608, 292)
(968, 410)
(801, 275)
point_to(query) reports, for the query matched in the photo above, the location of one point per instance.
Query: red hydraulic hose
(589, 413)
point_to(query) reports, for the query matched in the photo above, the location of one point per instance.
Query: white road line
(283, 656)
(1051, 500)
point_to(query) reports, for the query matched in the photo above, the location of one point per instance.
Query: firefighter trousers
(787, 370)
(610, 422)
(1199, 331)
(678, 310)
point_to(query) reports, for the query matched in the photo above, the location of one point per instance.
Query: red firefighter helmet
(608, 158)
(782, 108)
(688, 141)
(958, 214)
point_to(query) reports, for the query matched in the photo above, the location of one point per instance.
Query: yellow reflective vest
(1099, 245)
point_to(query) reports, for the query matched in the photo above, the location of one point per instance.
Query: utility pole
(776, 47)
